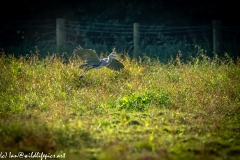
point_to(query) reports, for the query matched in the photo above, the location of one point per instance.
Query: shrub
(141, 101)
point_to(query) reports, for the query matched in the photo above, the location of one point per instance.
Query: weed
(149, 110)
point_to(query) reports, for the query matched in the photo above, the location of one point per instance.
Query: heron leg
(84, 72)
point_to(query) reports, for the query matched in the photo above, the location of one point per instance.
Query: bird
(91, 60)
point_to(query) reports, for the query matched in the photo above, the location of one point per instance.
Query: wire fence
(159, 40)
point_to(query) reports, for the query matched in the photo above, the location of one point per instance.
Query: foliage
(140, 101)
(149, 110)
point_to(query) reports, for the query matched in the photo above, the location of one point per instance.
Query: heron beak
(114, 54)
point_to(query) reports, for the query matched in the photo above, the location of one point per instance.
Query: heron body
(91, 60)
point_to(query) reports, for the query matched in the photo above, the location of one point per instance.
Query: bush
(141, 101)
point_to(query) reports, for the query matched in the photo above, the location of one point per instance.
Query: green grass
(149, 110)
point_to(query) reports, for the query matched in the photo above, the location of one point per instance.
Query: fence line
(136, 31)
(112, 34)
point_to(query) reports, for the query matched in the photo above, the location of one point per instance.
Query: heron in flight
(91, 60)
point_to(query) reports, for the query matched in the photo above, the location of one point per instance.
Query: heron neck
(110, 57)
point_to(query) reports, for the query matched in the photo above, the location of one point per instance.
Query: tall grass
(149, 110)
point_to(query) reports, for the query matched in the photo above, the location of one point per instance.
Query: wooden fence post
(217, 36)
(60, 33)
(136, 39)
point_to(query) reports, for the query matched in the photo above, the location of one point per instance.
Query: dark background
(173, 12)
(170, 12)
(151, 12)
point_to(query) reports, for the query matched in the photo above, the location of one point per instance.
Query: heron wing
(87, 55)
(115, 65)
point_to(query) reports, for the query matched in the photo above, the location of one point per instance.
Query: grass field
(149, 110)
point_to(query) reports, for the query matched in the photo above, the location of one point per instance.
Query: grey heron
(91, 60)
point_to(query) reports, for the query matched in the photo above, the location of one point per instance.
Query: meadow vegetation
(149, 110)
